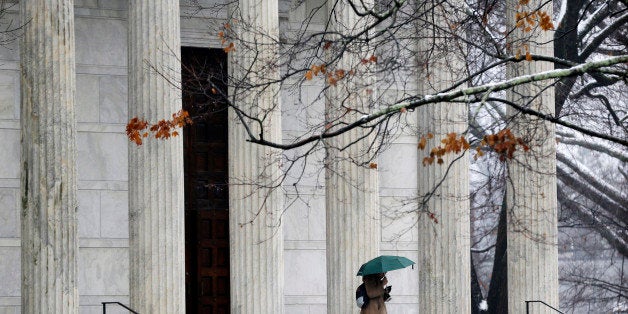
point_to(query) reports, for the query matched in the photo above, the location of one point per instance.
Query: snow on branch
(589, 67)
(573, 138)
(583, 171)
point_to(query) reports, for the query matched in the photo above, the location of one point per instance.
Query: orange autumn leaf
(465, 144)
(526, 20)
(546, 21)
(315, 69)
(133, 129)
(331, 80)
(450, 144)
(428, 161)
(422, 143)
(504, 143)
(163, 129)
(229, 48)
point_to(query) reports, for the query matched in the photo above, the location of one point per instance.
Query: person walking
(375, 284)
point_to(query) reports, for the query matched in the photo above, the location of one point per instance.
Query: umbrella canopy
(383, 264)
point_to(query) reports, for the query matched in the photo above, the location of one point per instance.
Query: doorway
(204, 72)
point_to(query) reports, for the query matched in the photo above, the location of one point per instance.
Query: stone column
(351, 186)
(48, 162)
(255, 194)
(532, 260)
(156, 220)
(444, 238)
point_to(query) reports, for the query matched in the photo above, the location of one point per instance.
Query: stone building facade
(130, 243)
(101, 29)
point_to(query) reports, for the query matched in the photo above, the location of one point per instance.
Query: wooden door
(206, 178)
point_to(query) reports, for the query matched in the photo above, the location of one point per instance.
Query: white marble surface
(10, 271)
(104, 271)
(100, 111)
(102, 156)
(87, 96)
(9, 95)
(10, 155)
(306, 270)
(114, 214)
(101, 41)
(9, 213)
(89, 213)
(113, 99)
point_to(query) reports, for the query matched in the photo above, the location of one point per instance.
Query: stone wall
(101, 114)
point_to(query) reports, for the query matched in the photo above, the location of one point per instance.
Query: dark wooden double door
(206, 178)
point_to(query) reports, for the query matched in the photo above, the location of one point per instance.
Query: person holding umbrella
(374, 284)
(373, 293)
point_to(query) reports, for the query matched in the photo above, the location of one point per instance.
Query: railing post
(542, 302)
(104, 307)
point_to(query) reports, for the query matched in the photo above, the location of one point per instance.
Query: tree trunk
(476, 291)
(498, 289)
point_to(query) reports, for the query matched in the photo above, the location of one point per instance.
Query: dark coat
(375, 291)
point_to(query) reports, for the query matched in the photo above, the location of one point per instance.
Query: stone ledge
(82, 68)
(304, 245)
(103, 243)
(10, 183)
(83, 243)
(10, 301)
(10, 242)
(102, 185)
(10, 124)
(385, 247)
(118, 14)
(91, 300)
(304, 299)
(100, 127)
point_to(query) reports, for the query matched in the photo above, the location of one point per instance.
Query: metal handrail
(104, 307)
(539, 301)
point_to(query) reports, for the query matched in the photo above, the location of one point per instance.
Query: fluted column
(255, 194)
(48, 162)
(156, 235)
(351, 186)
(444, 238)
(531, 186)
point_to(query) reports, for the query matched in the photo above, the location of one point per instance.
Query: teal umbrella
(383, 264)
